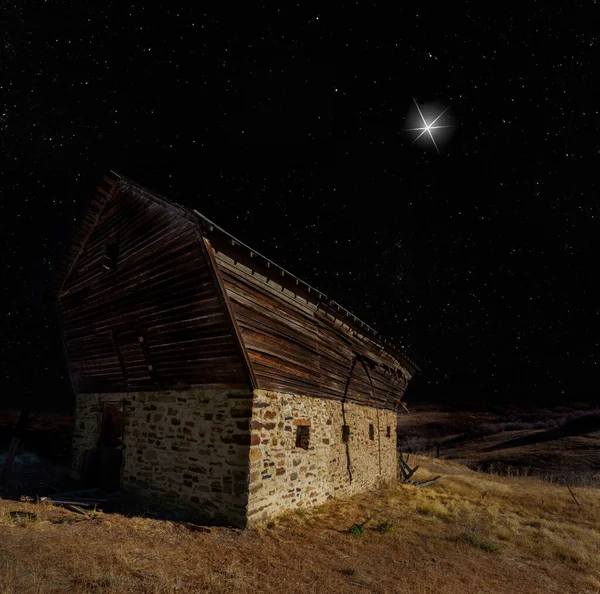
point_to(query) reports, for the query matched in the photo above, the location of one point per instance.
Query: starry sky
(286, 126)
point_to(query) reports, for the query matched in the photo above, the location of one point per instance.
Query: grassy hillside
(557, 444)
(467, 533)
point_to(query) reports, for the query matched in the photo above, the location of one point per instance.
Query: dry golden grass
(467, 533)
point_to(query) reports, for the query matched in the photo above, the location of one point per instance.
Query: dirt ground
(468, 532)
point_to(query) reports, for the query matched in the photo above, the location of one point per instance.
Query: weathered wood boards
(152, 295)
(156, 318)
(296, 342)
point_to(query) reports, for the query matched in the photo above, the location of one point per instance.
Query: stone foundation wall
(186, 450)
(230, 456)
(284, 477)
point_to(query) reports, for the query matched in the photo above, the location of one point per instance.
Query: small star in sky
(426, 120)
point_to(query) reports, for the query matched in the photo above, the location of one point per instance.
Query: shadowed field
(560, 444)
(467, 533)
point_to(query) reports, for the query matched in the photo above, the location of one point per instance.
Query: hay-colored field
(467, 533)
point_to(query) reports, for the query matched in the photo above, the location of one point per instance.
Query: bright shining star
(428, 127)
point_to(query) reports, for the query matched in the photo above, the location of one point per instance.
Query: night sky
(287, 128)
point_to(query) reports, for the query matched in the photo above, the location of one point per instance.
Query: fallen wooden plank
(86, 503)
(195, 527)
(404, 463)
(425, 483)
(61, 502)
(66, 494)
(407, 475)
(79, 497)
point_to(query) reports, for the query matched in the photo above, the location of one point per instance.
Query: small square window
(302, 437)
(371, 432)
(388, 432)
(345, 433)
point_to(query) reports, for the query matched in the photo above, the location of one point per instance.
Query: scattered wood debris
(76, 500)
(425, 483)
(77, 509)
(195, 527)
(407, 472)
(22, 515)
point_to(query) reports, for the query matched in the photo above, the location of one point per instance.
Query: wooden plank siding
(162, 289)
(295, 344)
(81, 233)
(188, 304)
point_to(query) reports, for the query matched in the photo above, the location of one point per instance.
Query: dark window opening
(371, 432)
(388, 432)
(111, 254)
(302, 437)
(345, 433)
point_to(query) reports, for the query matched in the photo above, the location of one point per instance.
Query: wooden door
(110, 444)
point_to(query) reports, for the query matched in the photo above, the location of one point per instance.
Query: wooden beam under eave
(210, 256)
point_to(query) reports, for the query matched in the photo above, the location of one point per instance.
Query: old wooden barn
(209, 379)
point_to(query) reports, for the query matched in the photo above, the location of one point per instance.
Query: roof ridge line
(213, 225)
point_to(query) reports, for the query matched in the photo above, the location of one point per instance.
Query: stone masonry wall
(284, 477)
(185, 450)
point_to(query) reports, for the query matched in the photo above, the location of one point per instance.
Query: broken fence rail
(424, 483)
(407, 473)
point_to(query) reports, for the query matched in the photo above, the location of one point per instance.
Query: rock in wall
(283, 476)
(185, 450)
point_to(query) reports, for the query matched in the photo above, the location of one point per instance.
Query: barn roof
(113, 181)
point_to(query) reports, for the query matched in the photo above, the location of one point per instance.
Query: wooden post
(572, 495)
(14, 446)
